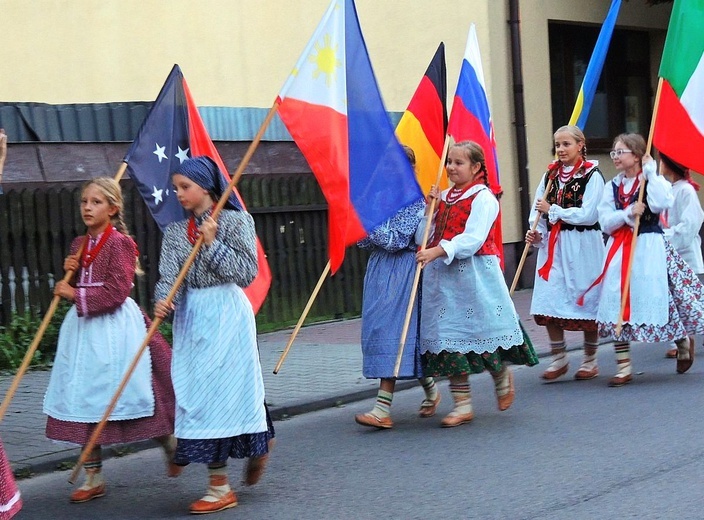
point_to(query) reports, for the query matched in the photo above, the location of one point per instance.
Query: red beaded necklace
(455, 194)
(624, 197)
(89, 255)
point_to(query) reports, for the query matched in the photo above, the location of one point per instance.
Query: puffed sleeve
(542, 222)
(398, 232)
(681, 234)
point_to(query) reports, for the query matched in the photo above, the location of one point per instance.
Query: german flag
(424, 123)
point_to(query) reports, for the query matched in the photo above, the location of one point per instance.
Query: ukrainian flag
(596, 63)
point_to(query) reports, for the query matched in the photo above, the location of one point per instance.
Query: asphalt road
(566, 450)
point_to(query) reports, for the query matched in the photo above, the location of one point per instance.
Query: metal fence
(290, 213)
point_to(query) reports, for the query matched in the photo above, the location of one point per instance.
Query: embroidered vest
(649, 221)
(570, 196)
(450, 222)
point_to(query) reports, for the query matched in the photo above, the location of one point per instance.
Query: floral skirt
(211, 451)
(685, 308)
(459, 364)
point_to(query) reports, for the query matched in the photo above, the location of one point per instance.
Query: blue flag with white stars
(162, 144)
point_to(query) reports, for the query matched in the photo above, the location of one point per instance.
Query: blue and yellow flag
(596, 63)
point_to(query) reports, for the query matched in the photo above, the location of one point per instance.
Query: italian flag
(679, 125)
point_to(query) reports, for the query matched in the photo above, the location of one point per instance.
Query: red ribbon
(544, 272)
(623, 237)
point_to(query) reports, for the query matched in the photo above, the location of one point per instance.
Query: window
(623, 98)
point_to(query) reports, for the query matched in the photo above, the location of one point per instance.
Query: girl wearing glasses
(570, 251)
(664, 301)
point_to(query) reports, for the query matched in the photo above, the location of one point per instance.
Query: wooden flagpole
(416, 278)
(304, 315)
(29, 355)
(634, 240)
(169, 298)
(526, 248)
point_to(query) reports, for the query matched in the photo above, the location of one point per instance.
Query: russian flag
(332, 108)
(470, 118)
(172, 132)
(424, 123)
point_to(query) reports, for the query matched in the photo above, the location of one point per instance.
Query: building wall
(238, 53)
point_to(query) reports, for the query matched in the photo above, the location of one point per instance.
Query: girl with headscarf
(220, 411)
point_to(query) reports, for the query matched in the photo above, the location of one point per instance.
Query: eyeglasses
(618, 153)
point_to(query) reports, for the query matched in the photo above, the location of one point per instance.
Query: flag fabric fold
(332, 108)
(424, 123)
(172, 132)
(583, 104)
(679, 123)
(470, 119)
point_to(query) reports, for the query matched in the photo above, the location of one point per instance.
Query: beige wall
(239, 52)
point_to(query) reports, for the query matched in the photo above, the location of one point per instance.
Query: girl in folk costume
(570, 251)
(681, 223)
(10, 499)
(388, 284)
(98, 340)
(468, 321)
(665, 298)
(220, 411)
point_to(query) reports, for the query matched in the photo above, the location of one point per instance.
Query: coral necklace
(90, 254)
(625, 197)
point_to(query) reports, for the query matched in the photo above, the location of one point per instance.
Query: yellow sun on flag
(325, 60)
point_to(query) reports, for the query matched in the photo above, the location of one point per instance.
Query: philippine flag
(332, 107)
(470, 118)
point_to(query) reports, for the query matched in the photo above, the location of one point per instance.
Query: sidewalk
(323, 369)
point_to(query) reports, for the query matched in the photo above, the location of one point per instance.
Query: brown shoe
(369, 419)
(204, 506)
(428, 407)
(620, 380)
(551, 375)
(254, 469)
(455, 419)
(671, 353)
(84, 495)
(505, 401)
(684, 364)
(584, 374)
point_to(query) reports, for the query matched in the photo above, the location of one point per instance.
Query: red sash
(623, 237)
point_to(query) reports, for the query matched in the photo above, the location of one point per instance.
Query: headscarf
(205, 173)
(680, 170)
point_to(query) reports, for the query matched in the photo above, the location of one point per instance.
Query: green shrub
(16, 338)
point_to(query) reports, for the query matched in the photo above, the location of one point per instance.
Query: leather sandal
(204, 506)
(671, 353)
(505, 401)
(455, 419)
(551, 375)
(369, 419)
(584, 374)
(84, 495)
(254, 469)
(429, 407)
(685, 364)
(620, 380)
